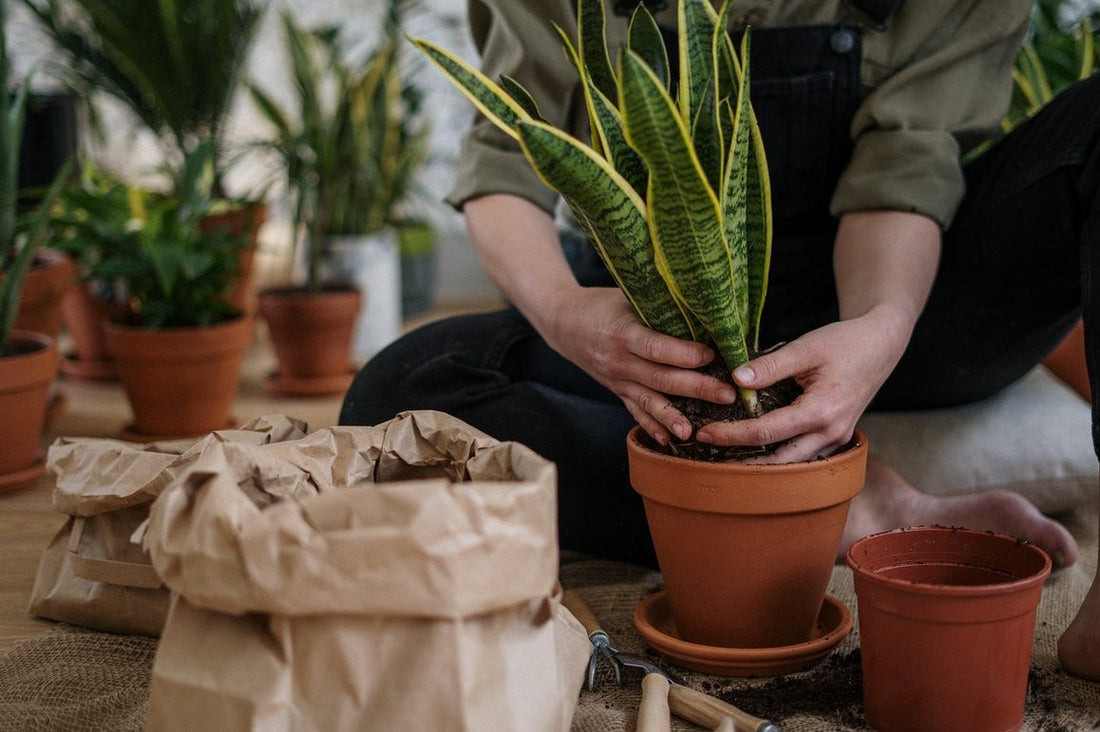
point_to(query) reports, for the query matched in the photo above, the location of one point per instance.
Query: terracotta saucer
(130, 433)
(91, 370)
(653, 619)
(22, 478)
(320, 386)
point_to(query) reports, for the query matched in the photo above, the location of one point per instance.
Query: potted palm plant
(350, 152)
(673, 193)
(28, 359)
(176, 66)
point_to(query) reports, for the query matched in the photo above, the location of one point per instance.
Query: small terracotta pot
(43, 290)
(246, 219)
(180, 381)
(25, 380)
(946, 620)
(84, 316)
(746, 551)
(311, 335)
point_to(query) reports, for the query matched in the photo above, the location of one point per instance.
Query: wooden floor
(99, 409)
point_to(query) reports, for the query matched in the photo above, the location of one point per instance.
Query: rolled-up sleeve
(517, 38)
(940, 81)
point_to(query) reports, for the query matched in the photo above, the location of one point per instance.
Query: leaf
(696, 27)
(490, 99)
(644, 38)
(522, 97)
(592, 46)
(614, 217)
(683, 213)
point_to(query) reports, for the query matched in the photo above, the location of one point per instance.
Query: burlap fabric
(77, 680)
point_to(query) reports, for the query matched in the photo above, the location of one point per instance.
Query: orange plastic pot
(25, 378)
(179, 381)
(311, 335)
(946, 619)
(746, 551)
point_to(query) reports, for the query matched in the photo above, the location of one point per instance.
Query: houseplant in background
(674, 195)
(350, 151)
(176, 66)
(179, 346)
(28, 360)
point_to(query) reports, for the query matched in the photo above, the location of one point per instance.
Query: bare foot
(889, 502)
(1079, 646)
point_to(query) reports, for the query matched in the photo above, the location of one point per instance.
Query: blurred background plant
(352, 146)
(175, 64)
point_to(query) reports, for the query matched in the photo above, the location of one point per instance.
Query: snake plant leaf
(644, 38)
(706, 135)
(683, 212)
(735, 198)
(522, 97)
(489, 99)
(758, 210)
(727, 70)
(696, 20)
(592, 46)
(606, 126)
(614, 216)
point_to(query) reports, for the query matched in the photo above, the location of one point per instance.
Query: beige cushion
(1034, 438)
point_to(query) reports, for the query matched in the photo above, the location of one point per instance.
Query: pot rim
(874, 576)
(848, 453)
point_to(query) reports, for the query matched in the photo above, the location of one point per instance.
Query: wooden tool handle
(576, 605)
(707, 711)
(653, 713)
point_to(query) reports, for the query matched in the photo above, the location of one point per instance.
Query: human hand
(839, 367)
(595, 328)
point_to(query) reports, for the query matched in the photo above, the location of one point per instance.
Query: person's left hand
(839, 367)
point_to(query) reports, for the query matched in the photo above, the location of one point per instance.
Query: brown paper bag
(92, 573)
(407, 581)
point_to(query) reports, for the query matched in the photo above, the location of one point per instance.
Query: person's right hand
(595, 328)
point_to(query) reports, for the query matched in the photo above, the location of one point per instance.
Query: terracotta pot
(179, 381)
(84, 315)
(25, 380)
(311, 334)
(746, 551)
(44, 287)
(946, 620)
(246, 219)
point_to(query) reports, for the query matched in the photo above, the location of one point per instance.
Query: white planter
(373, 264)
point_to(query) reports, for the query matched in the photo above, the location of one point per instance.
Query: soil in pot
(27, 370)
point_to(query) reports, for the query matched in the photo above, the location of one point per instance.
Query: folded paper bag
(92, 574)
(423, 601)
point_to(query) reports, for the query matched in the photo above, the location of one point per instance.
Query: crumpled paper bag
(92, 573)
(402, 576)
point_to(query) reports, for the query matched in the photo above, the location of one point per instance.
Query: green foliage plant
(16, 252)
(176, 64)
(352, 147)
(673, 191)
(152, 247)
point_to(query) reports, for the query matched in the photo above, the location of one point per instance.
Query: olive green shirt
(936, 80)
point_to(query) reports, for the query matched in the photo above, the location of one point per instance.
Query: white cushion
(1033, 438)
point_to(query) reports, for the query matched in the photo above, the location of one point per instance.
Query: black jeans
(1017, 268)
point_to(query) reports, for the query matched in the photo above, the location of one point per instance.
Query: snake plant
(673, 189)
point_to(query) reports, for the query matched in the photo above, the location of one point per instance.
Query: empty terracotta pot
(946, 619)
(44, 287)
(746, 551)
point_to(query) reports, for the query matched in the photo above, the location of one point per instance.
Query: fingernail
(704, 437)
(682, 430)
(727, 396)
(744, 374)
